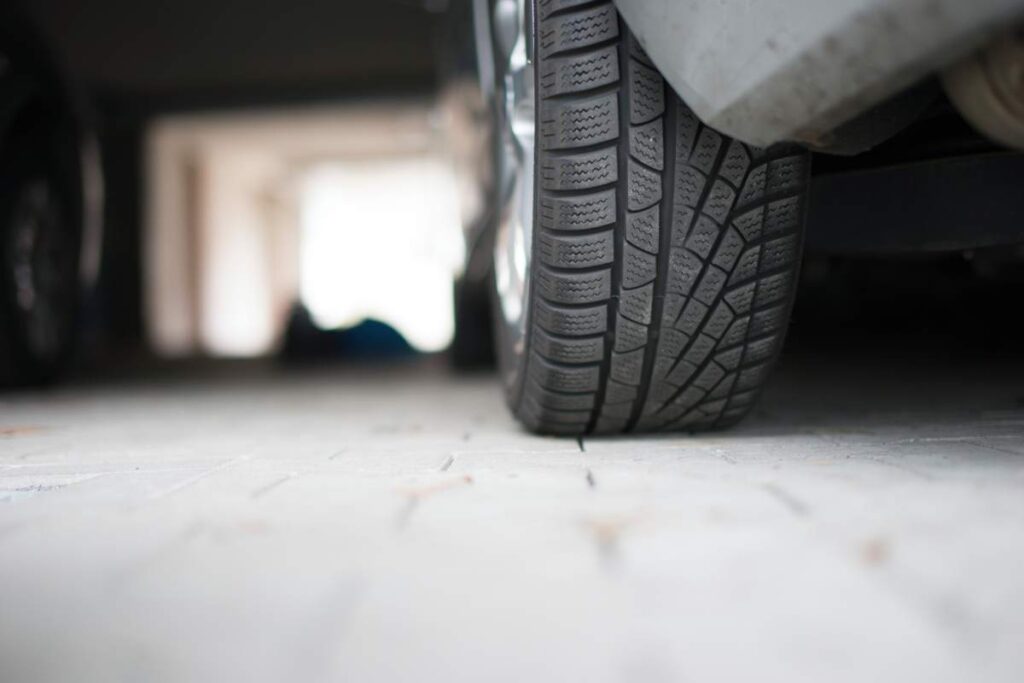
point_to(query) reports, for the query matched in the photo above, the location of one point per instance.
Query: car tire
(663, 254)
(40, 246)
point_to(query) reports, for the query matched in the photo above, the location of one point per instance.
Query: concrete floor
(866, 524)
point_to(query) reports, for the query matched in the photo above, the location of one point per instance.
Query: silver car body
(766, 71)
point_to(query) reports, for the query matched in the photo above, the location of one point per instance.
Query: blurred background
(280, 182)
(272, 171)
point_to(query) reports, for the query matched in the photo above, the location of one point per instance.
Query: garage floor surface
(393, 524)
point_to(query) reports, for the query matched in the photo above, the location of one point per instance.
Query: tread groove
(618, 238)
(664, 247)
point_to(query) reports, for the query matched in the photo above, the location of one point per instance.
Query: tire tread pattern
(666, 254)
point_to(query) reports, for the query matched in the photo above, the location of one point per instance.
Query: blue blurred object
(370, 339)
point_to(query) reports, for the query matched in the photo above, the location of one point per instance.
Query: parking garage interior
(281, 453)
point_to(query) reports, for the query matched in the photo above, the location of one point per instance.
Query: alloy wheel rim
(516, 113)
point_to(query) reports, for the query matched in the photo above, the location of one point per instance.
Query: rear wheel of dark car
(645, 264)
(40, 248)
